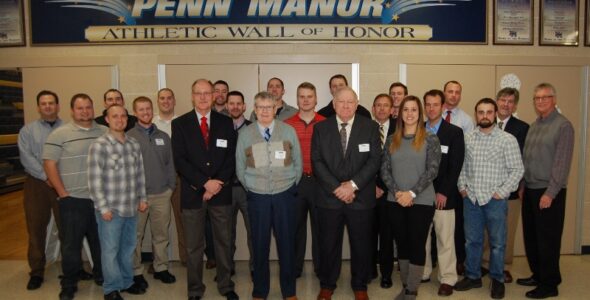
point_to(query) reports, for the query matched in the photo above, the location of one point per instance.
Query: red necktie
(205, 130)
(448, 117)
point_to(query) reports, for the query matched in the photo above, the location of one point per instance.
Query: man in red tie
(204, 144)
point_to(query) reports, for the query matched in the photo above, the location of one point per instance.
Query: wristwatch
(413, 194)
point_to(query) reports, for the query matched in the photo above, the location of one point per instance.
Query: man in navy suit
(382, 225)
(452, 146)
(507, 100)
(346, 155)
(204, 145)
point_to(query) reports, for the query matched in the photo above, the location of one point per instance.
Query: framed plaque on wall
(558, 23)
(513, 22)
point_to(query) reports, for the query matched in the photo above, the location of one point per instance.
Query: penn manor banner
(168, 21)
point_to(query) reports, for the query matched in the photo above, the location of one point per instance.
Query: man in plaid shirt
(491, 170)
(117, 187)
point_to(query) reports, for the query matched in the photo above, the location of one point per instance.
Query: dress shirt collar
(504, 122)
(239, 121)
(208, 116)
(434, 129)
(494, 131)
(349, 123)
(113, 140)
(261, 128)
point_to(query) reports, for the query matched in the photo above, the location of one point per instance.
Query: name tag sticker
(221, 143)
(364, 148)
(160, 142)
(444, 149)
(280, 154)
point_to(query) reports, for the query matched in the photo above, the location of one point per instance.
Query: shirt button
(208, 164)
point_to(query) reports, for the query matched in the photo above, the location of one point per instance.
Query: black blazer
(195, 163)
(519, 130)
(452, 142)
(331, 167)
(328, 111)
(390, 131)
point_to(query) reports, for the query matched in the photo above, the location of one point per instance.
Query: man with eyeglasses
(269, 166)
(548, 152)
(203, 143)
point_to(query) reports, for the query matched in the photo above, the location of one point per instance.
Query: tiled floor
(13, 279)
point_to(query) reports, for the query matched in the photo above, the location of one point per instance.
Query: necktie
(448, 117)
(382, 134)
(501, 125)
(267, 134)
(205, 130)
(343, 136)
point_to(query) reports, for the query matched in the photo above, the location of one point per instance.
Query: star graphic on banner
(121, 19)
(395, 18)
(417, 1)
(388, 5)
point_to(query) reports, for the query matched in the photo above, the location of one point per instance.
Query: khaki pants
(444, 226)
(158, 214)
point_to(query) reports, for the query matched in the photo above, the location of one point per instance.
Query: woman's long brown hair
(401, 126)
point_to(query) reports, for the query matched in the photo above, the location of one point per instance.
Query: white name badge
(221, 143)
(280, 154)
(160, 142)
(444, 149)
(364, 148)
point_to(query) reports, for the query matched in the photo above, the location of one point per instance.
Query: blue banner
(120, 21)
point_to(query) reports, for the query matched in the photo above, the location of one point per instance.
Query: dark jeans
(306, 195)
(274, 212)
(77, 221)
(359, 223)
(542, 231)
(411, 229)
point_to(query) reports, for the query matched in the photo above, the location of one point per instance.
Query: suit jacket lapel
(352, 140)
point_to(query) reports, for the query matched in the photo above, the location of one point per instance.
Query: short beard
(481, 124)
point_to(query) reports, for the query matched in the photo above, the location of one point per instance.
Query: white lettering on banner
(326, 8)
(182, 8)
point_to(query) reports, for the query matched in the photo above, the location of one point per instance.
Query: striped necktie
(382, 135)
(343, 136)
(267, 134)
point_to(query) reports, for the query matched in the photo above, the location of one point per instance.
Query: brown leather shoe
(325, 294)
(361, 295)
(507, 277)
(257, 298)
(291, 298)
(445, 290)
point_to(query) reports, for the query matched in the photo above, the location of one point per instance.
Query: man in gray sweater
(548, 151)
(160, 179)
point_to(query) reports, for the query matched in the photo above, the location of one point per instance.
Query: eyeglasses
(542, 98)
(199, 94)
(267, 108)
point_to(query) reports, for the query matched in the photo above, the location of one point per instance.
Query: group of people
(420, 170)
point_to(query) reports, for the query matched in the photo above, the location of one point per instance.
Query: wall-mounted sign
(558, 23)
(513, 22)
(120, 21)
(12, 29)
